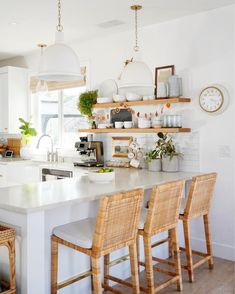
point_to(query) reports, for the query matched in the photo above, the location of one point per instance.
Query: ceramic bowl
(96, 177)
(104, 100)
(119, 98)
(133, 97)
(104, 126)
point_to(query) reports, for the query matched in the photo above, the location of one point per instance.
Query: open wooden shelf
(147, 102)
(136, 130)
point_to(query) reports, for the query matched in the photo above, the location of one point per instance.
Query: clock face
(211, 99)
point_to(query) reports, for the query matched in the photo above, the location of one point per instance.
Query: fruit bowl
(102, 175)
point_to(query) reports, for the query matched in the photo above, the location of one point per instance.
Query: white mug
(118, 124)
(128, 124)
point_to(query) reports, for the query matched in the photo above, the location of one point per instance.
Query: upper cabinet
(14, 94)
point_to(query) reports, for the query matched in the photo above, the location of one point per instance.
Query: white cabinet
(14, 93)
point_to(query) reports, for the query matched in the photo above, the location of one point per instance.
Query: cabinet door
(3, 102)
(18, 91)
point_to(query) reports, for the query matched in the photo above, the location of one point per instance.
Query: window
(55, 113)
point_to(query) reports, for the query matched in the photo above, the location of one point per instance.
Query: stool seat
(79, 233)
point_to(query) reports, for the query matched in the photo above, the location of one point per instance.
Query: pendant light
(59, 62)
(136, 73)
(41, 87)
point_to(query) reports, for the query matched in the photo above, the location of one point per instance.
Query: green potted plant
(169, 154)
(85, 103)
(27, 132)
(153, 159)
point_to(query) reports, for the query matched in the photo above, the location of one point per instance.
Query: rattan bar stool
(162, 216)
(116, 227)
(198, 205)
(7, 238)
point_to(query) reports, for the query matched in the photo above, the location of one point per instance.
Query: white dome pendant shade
(59, 62)
(136, 73)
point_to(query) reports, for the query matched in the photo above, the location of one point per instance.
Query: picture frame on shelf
(120, 146)
(161, 76)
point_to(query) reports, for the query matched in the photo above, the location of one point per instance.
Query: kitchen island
(35, 209)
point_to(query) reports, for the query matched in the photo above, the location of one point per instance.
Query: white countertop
(47, 195)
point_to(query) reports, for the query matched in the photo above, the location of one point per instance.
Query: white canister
(170, 165)
(155, 165)
(162, 90)
(174, 86)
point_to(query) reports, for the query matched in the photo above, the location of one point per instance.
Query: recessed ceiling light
(110, 24)
(14, 23)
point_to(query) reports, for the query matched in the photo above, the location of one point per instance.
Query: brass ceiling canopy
(136, 7)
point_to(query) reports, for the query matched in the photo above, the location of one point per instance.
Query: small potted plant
(27, 134)
(85, 104)
(153, 159)
(170, 157)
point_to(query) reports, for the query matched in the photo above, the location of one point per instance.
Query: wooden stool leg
(175, 240)
(11, 248)
(170, 243)
(134, 268)
(148, 265)
(138, 251)
(54, 266)
(106, 269)
(95, 263)
(208, 240)
(188, 250)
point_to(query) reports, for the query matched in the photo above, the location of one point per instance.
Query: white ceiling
(35, 20)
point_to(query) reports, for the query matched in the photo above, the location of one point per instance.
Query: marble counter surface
(27, 198)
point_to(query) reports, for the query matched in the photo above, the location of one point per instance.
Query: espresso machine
(90, 153)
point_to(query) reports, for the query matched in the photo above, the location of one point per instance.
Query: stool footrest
(164, 261)
(119, 281)
(111, 289)
(196, 252)
(119, 260)
(164, 271)
(74, 279)
(160, 242)
(205, 259)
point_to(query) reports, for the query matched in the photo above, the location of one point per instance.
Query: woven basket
(6, 233)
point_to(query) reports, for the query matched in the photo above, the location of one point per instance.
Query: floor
(221, 280)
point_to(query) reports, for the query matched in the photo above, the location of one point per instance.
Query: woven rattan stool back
(164, 207)
(117, 221)
(200, 195)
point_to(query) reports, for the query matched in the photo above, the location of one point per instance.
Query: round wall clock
(214, 99)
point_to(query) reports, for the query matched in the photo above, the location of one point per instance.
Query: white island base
(35, 209)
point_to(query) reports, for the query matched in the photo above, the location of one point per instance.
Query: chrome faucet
(51, 155)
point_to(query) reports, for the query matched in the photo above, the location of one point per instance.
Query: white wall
(202, 48)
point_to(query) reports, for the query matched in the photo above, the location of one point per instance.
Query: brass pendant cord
(59, 27)
(136, 48)
(136, 8)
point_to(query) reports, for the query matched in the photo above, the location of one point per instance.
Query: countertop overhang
(28, 198)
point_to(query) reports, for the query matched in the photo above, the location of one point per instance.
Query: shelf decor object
(59, 62)
(136, 73)
(161, 77)
(120, 146)
(214, 99)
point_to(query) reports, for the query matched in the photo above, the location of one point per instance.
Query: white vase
(155, 165)
(26, 151)
(170, 165)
